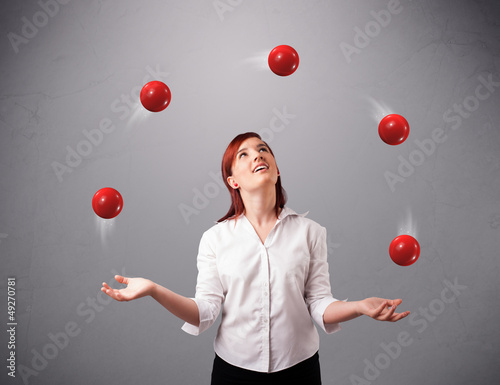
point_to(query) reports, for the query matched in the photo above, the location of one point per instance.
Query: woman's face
(254, 166)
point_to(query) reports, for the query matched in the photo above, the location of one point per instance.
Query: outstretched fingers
(388, 316)
(392, 316)
(399, 316)
(113, 293)
(395, 302)
(378, 311)
(121, 279)
(386, 310)
(106, 286)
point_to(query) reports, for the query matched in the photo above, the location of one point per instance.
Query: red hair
(237, 206)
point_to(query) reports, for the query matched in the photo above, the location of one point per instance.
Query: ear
(232, 182)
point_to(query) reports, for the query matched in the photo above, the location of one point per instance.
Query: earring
(236, 185)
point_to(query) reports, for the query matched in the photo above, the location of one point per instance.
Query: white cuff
(319, 311)
(206, 319)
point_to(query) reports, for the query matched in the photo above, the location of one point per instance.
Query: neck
(260, 206)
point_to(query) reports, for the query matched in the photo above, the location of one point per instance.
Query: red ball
(404, 250)
(283, 60)
(155, 96)
(393, 129)
(107, 203)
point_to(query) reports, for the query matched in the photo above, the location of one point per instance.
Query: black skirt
(304, 373)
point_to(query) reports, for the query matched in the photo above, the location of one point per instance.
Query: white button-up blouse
(271, 292)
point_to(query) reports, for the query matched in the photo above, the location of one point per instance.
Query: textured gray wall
(72, 68)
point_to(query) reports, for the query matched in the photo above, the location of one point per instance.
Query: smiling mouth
(260, 168)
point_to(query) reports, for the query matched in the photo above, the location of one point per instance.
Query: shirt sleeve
(209, 292)
(317, 291)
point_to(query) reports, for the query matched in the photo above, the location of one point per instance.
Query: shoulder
(310, 231)
(300, 222)
(221, 235)
(219, 229)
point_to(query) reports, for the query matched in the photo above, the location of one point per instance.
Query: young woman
(268, 266)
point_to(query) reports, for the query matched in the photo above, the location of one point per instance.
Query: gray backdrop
(71, 123)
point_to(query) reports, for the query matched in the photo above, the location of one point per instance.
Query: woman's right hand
(136, 288)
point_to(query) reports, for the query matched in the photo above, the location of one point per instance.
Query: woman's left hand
(382, 309)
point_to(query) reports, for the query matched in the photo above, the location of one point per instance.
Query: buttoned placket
(265, 308)
(265, 298)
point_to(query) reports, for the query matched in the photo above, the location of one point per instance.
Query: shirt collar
(286, 211)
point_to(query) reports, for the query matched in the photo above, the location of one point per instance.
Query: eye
(241, 155)
(263, 149)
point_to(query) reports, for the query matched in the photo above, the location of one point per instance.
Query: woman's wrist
(153, 290)
(359, 307)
